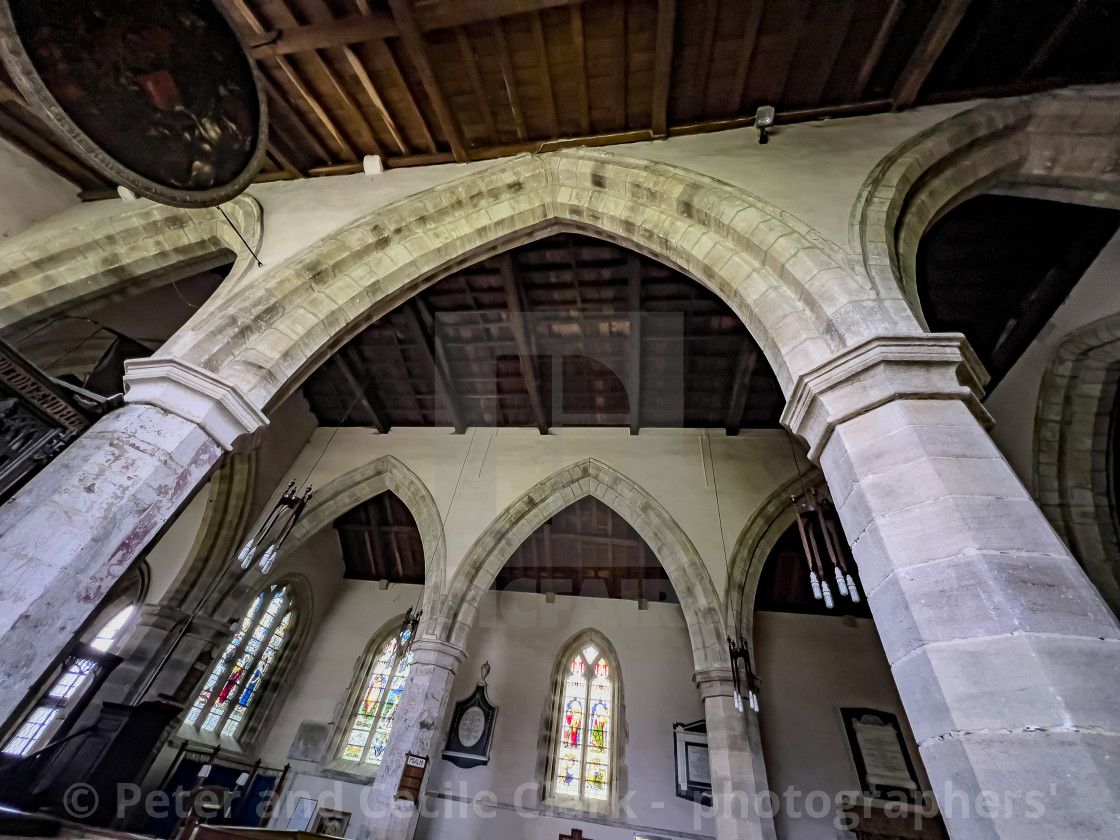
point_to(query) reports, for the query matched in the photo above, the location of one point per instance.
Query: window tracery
(584, 752)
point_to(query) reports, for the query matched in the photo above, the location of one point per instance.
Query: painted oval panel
(161, 97)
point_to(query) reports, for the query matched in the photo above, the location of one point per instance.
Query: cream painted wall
(521, 636)
(1015, 399)
(473, 477)
(810, 667)
(29, 192)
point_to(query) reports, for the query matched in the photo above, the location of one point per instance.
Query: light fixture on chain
(743, 675)
(269, 538)
(816, 518)
(409, 626)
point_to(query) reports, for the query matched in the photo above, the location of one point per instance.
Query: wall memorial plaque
(694, 773)
(879, 751)
(161, 97)
(472, 728)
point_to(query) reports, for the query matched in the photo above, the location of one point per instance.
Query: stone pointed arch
(1061, 144)
(675, 551)
(1072, 451)
(42, 274)
(386, 473)
(802, 297)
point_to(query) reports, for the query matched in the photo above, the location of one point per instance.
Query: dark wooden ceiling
(433, 81)
(565, 331)
(380, 541)
(997, 267)
(587, 550)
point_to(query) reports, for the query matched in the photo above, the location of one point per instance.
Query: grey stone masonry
(1006, 658)
(69, 534)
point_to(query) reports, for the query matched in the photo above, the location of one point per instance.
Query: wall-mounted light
(763, 119)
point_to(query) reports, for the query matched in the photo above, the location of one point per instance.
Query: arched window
(80, 671)
(584, 739)
(372, 719)
(236, 678)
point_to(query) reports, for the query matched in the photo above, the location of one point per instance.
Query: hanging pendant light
(408, 630)
(265, 544)
(743, 676)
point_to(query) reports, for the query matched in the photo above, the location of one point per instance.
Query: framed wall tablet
(880, 755)
(694, 775)
(472, 730)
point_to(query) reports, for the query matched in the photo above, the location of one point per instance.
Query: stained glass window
(377, 707)
(584, 728)
(46, 716)
(236, 678)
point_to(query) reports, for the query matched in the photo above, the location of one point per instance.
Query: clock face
(471, 726)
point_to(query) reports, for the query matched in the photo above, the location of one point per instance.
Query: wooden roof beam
(417, 49)
(936, 37)
(788, 50)
(827, 57)
(384, 56)
(744, 372)
(882, 37)
(544, 74)
(482, 101)
(363, 392)
(290, 114)
(581, 69)
(1054, 39)
(663, 65)
(525, 350)
(634, 288)
(430, 345)
(746, 53)
(511, 82)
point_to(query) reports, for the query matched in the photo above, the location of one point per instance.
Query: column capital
(218, 407)
(714, 682)
(428, 650)
(933, 366)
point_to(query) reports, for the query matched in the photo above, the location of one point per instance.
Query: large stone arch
(675, 551)
(1060, 145)
(1072, 457)
(127, 253)
(802, 297)
(341, 494)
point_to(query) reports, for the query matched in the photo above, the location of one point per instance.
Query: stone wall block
(986, 594)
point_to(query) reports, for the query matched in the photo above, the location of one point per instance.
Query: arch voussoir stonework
(128, 253)
(1072, 450)
(676, 552)
(802, 297)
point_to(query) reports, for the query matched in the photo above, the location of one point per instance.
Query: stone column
(417, 729)
(734, 793)
(77, 526)
(1006, 658)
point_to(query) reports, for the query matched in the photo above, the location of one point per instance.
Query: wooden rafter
(698, 86)
(580, 47)
(744, 372)
(746, 54)
(375, 99)
(1055, 38)
(663, 66)
(799, 12)
(525, 351)
(826, 59)
(430, 345)
(41, 148)
(384, 56)
(882, 37)
(418, 51)
(634, 294)
(364, 392)
(482, 102)
(544, 74)
(618, 67)
(280, 102)
(936, 37)
(510, 81)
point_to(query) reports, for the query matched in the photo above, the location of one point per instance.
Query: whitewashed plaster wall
(811, 666)
(473, 477)
(29, 192)
(813, 170)
(521, 636)
(1015, 399)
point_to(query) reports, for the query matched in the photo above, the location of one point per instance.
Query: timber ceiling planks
(431, 81)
